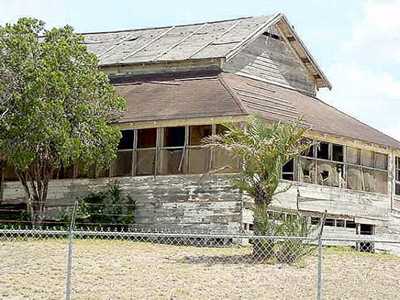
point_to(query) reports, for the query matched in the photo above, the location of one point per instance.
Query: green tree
(56, 106)
(263, 148)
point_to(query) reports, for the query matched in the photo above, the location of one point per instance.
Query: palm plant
(263, 148)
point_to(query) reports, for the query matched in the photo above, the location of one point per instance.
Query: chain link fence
(101, 264)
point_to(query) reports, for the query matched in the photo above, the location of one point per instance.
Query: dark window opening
(337, 153)
(147, 138)
(309, 152)
(174, 136)
(350, 224)
(366, 229)
(288, 167)
(198, 133)
(126, 141)
(330, 222)
(323, 151)
(339, 223)
(397, 189)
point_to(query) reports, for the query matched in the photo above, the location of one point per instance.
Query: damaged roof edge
(307, 52)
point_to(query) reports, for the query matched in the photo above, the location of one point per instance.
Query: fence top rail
(360, 239)
(102, 233)
(145, 234)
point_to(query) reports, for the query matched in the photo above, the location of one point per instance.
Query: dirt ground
(36, 269)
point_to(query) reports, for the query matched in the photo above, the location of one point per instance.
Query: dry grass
(133, 270)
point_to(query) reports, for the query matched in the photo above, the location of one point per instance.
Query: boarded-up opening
(381, 161)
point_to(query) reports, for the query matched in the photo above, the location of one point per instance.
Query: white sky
(357, 43)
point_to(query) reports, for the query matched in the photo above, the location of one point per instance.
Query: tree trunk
(263, 248)
(35, 181)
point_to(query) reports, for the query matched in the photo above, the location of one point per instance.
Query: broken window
(355, 178)
(288, 170)
(223, 160)
(126, 141)
(330, 174)
(353, 156)
(323, 151)
(350, 224)
(339, 223)
(146, 151)
(198, 133)
(198, 155)
(367, 158)
(309, 152)
(122, 165)
(381, 161)
(330, 222)
(172, 152)
(337, 153)
(307, 170)
(397, 176)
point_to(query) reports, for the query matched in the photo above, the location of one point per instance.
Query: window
(146, 151)
(288, 171)
(358, 169)
(172, 151)
(367, 170)
(198, 155)
(122, 166)
(397, 176)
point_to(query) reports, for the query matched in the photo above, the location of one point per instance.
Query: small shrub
(108, 208)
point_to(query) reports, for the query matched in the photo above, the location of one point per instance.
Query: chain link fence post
(70, 253)
(319, 268)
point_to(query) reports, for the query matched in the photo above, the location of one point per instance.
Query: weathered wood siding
(273, 60)
(189, 202)
(168, 202)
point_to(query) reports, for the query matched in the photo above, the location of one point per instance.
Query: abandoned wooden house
(182, 82)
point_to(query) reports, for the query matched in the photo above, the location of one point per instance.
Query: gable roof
(219, 39)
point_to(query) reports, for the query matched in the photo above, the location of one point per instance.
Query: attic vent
(272, 35)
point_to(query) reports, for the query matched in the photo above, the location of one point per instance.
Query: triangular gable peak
(165, 49)
(276, 54)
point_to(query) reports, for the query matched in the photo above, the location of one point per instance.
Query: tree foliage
(56, 106)
(263, 150)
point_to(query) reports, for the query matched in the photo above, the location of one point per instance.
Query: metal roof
(183, 42)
